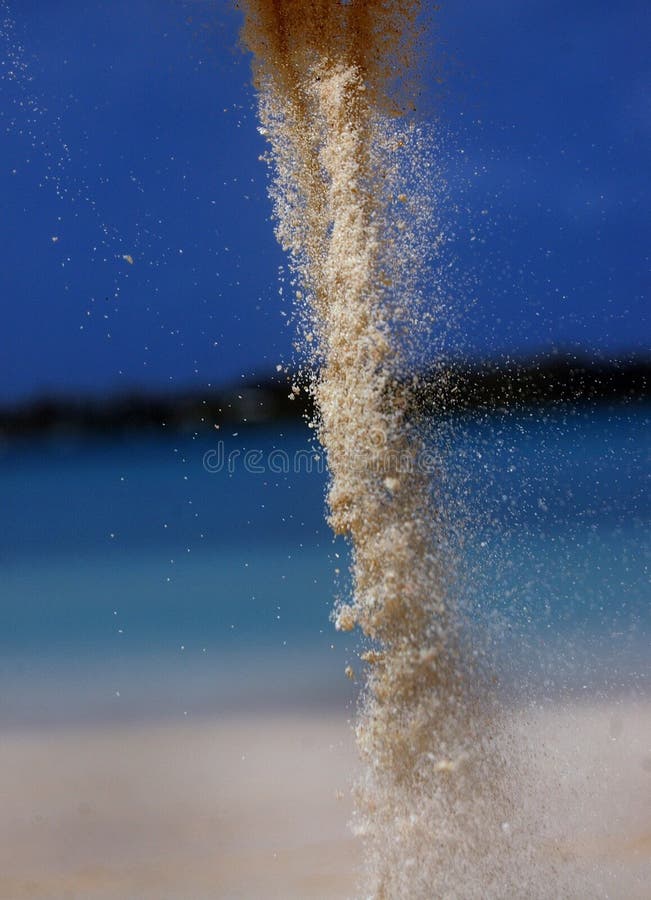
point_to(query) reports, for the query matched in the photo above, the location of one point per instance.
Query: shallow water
(136, 582)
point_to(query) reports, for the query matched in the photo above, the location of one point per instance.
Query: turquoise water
(173, 574)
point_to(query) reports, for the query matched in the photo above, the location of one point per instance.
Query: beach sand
(257, 806)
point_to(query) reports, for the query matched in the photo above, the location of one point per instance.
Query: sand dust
(432, 800)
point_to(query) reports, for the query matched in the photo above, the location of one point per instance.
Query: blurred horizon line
(448, 387)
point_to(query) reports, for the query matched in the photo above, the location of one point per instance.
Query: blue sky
(128, 129)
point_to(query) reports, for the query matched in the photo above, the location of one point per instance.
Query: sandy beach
(257, 806)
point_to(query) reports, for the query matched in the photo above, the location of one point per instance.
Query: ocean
(158, 576)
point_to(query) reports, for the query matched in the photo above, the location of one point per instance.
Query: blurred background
(173, 702)
(143, 320)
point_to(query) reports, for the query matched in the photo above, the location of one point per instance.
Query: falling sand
(435, 803)
(332, 114)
